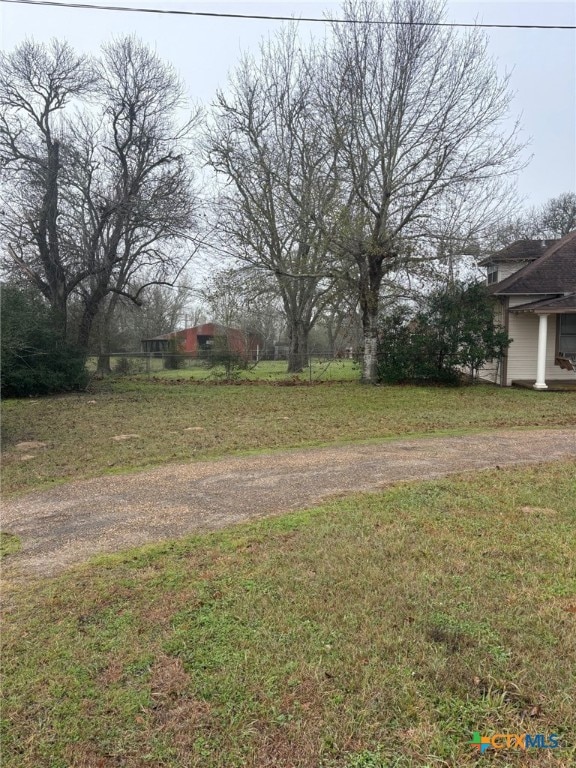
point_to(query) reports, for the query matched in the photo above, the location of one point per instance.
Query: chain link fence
(317, 366)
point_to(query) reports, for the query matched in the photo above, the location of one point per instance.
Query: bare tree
(415, 111)
(342, 323)
(162, 309)
(37, 84)
(458, 229)
(557, 217)
(553, 219)
(267, 145)
(226, 294)
(247, 298)
(121, 203)
(137, 208)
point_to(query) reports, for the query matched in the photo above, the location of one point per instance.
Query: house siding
(507, 269)
(546, 267)
(239, 342)
(491, 371)
(523, 351)
(522, 357)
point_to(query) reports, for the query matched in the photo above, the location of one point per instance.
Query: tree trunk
(85, 326)
(92, 306)
(103, 368)
(298, 349)
(89, 314)
(370, 356)
(103, 329)
(48, 243)
(59, 309)
(331, 337)
(371, 273)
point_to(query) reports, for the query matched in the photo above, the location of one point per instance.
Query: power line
(242, 16)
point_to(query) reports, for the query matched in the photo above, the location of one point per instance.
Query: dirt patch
(539, 511)
(70, 523)
(29, 445)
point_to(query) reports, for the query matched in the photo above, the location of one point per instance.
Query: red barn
(201, 338)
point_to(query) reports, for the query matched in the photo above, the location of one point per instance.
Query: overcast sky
(542, 62)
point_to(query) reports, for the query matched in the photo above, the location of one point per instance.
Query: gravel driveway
(68, 524)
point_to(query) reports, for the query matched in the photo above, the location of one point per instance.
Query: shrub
(453, 331)
(124, 366)
(174, 359)
(35, 359)
(226, 363)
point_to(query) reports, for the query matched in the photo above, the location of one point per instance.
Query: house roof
(164, 337)
(521, 250)
(562, 304)
(553, 272)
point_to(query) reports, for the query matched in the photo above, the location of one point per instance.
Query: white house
(534, 282)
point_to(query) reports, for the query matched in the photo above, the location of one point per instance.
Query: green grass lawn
(9, 544)
(275, 371)
(381, 630)
(182, 420)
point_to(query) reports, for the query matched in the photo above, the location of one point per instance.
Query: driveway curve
(68, 524)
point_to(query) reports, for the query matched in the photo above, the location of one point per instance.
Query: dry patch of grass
(170, 421)
(379, 630)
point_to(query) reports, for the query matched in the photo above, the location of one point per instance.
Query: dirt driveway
(68, 524)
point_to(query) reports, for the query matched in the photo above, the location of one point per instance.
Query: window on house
(567, 335)
(492, 274)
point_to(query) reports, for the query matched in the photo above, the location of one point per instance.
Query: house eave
(545, 311)
(564, 304)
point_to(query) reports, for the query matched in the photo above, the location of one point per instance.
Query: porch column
(541, 366)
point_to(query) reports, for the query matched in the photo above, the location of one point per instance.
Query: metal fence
(208, 366)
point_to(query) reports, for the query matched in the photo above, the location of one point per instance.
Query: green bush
(226, 364)
(453, 333)
(35, 359)
(173, 359)
(125, 366)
